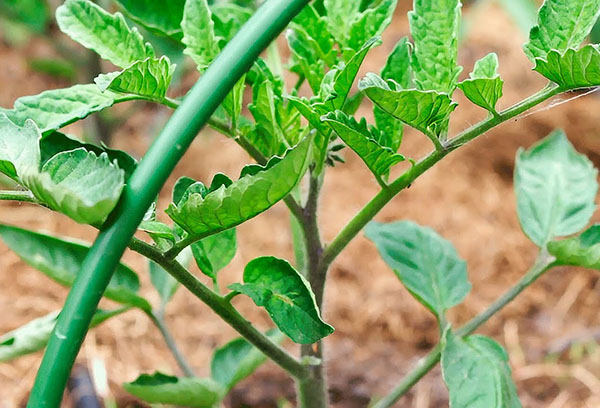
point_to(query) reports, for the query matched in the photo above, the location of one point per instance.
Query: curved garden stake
(143, 186)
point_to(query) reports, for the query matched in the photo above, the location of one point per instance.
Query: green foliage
(477, 373)
(434, 26)
(484, 87)
(107, 34)
(19, 148)
(425, 263)
(237, 360)
(227, 206)
(34, 335)
(78, 184)
(561, 25)
(275, 285)
(62, 260)
(365, 142)
(571, 69)
(57, 108)
(198, 33)
(149, 78)
(426, 111)
(160, 388)
(163, 17)
(582, 250)
(213, 253)
(555, 188)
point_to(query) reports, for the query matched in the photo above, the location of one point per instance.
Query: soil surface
(381, 331)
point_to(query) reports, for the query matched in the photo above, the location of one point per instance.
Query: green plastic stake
(144, 185)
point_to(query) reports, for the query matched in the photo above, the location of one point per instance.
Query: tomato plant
(294, 134)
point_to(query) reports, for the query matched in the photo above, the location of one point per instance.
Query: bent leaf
(61, 261)
(434, 26)
(213, 253)
(484, 87)
(34, 335)
(571, 69)
(426, 111)
(78, 184)
(364, 142)
(160, 388)
(555, 187)
(198, 33)
(57, 142)
(561, 25)
(477, 373)
(19, 148)
(149, 78)
(107, 34)
(54, 109)
(275, 285)
(427, 264)
(162, 16)
(252, 194)
(238, 359)
(583, 250)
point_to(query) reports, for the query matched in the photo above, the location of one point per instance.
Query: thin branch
(223, 308)
(542, 265)
(384, 196)
(13, 195)
(159, 322)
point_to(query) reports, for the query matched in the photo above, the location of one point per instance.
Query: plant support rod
(142, 188)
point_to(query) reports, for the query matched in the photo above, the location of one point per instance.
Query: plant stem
(24, 196)
(312, 391)
(385, 195)
(222, 307)
(542, 265)
(159, 321)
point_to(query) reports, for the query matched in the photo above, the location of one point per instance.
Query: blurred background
(551, 331)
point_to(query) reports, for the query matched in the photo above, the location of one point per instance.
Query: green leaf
(275, 285)
(426, 263)
(477, 373)
(555, 187)
(19, 148)
(160, 388)
(583, 250)
(228, 19)
(571, 69)
(149, 78)
(105, 33)
(316, 27)
(249, 196)
(434, 26)
(344, 76)
(397, 68)
(484, 87)
(61, 261)
(34, 335)
(57, 142)
(364, 141)
(306, 57)
(158, 16)
(198, 33)
(213, 253)
(561, 25)
(371, 23)
(523, 12)
(426, 111)
(238, 359)
(163, 282)
(33, 13)
(54, 109)
(340, 16)
(157, 229)
(234, 102)
(78, 184)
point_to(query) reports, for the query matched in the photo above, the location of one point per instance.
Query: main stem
(312, 391)
(543, 264)
(143, 187)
